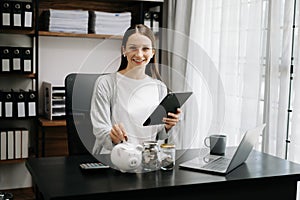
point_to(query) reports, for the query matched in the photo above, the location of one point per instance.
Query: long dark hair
(143, 30)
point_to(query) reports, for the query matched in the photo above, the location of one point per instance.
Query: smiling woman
(123, 100)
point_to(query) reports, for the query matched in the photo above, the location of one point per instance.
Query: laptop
(224, 164)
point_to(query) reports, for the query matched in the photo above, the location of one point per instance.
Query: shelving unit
(22, 74)
(138, 9)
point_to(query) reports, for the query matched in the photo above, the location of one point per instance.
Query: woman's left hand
(172, 119)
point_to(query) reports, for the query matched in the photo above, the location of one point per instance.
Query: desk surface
(61, 178)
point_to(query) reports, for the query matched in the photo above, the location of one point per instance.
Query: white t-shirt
(136, 99)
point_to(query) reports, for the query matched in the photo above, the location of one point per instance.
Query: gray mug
(217, 144)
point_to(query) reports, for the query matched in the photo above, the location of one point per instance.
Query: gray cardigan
(102, 103)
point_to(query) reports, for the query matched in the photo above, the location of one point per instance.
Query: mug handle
(205, 141)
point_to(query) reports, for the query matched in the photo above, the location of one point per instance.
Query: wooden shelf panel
(18, 75)
(16, 31)
(61, 34)
(13, 161)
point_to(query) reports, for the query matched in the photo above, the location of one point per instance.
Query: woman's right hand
(118, 133)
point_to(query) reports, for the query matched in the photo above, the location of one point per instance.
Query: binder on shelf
(1, 104)
(152, 18)
(18, 144)
(6, 10)
(10, 144)
(31, 99)
(147, 19)
(27, 15)
(17, 14)
(17, 56)
(6, 56)
(8, 104)
(24, 138)
(20, 103)
(27, 55)
(155, 26)
(3, 143)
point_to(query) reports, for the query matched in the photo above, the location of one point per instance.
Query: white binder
(3, 145)
(10, 144)
(25, 138)
(18, 144)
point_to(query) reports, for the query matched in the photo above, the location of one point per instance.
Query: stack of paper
(70, 21)
(109, 23)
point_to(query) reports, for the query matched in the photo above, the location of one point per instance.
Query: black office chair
(79, 89)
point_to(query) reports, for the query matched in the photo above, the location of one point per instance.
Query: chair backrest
(79, 90)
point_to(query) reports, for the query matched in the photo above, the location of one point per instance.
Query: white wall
(60, 56)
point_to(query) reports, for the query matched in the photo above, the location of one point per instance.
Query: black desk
(262, 177)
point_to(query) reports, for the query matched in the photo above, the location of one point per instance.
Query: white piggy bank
(126, 156)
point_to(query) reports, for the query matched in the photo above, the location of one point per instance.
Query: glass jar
(150, 159)
(167, 156)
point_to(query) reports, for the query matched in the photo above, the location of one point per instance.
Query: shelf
(13, 160)
(61, 34)
(18, 75)
(16, 31)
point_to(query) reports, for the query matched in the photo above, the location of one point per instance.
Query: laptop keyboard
(219, 164)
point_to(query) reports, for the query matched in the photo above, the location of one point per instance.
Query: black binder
(16, 60)
(5, 56)
(20, 104)
(1, 104)
(16, 14)
(8, 104)
(156, 19)
(6, 10)
(27, 60)
(147, 19)
(27, 15)
(31, 99)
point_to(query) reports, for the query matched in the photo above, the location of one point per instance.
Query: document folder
(147, 19)
(25, 142)
(10, 144)
(1, 104)
(3, 145)
(18, 144)
(16, 63)
(6, 56)
(27, 15)
(20, 107)
(8, 104)
(155, 26)
(6, 14)
(17, 14)
(31, 103)
(27, 60)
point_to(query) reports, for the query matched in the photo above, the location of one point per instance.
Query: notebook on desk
(223, 164)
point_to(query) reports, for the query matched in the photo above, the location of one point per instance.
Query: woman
(122, 101)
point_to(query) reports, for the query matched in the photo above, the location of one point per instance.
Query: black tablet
(170, 103)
